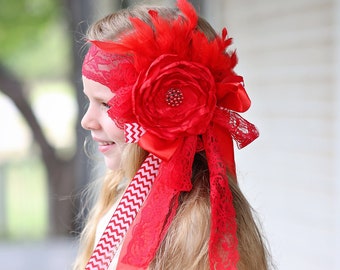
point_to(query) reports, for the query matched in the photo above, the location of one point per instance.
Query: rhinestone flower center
(174, 97)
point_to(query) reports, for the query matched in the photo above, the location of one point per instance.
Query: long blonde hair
(181, 247)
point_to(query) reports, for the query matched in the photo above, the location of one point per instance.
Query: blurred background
(289, 55)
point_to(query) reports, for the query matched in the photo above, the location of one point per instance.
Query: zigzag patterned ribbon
(133, 132)
(124, 215)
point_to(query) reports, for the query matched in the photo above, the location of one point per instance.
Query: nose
(89, 122)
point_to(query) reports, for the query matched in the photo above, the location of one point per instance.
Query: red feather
(178, 36)
(189, 11)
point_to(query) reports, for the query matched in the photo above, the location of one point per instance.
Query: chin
(112, 164)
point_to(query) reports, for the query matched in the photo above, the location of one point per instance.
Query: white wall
(337, 128)
(287, 55)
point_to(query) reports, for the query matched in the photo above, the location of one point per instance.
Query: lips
(104, 146)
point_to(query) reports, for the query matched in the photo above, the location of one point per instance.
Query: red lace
(159, 209)
(115, 71)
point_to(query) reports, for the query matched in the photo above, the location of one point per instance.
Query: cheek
(114, 132)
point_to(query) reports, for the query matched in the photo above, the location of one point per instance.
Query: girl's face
(109, 137)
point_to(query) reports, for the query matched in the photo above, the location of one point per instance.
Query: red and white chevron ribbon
(124, 215)
(133, 132)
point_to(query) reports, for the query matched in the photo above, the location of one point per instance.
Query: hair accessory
(174, 97)
(124, 215)
(181, 95)
(112, 70)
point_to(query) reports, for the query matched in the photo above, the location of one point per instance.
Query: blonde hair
(132, 158)
(181, 248)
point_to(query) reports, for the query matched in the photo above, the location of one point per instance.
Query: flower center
(174, 97)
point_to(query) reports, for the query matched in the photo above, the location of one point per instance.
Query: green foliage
(32, 37)
(22, 21)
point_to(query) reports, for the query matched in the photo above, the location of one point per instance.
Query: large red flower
(174, 98)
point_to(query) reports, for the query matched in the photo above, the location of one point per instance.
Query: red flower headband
(177, 94)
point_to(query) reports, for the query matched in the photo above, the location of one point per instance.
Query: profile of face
(109, 137)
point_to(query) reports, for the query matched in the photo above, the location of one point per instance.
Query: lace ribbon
(152, 222)
(112, 70)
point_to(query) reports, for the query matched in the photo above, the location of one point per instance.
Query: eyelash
(106, 105)
(87, 104)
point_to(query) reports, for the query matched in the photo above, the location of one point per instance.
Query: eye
(106, 105)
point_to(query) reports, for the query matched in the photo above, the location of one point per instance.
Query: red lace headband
(179, 94)
(112, 70)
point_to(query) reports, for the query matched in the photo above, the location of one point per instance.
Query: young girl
(163, 103)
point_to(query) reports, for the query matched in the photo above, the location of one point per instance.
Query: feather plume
(179, 37)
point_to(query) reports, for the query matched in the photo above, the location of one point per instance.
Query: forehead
(96, 90)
